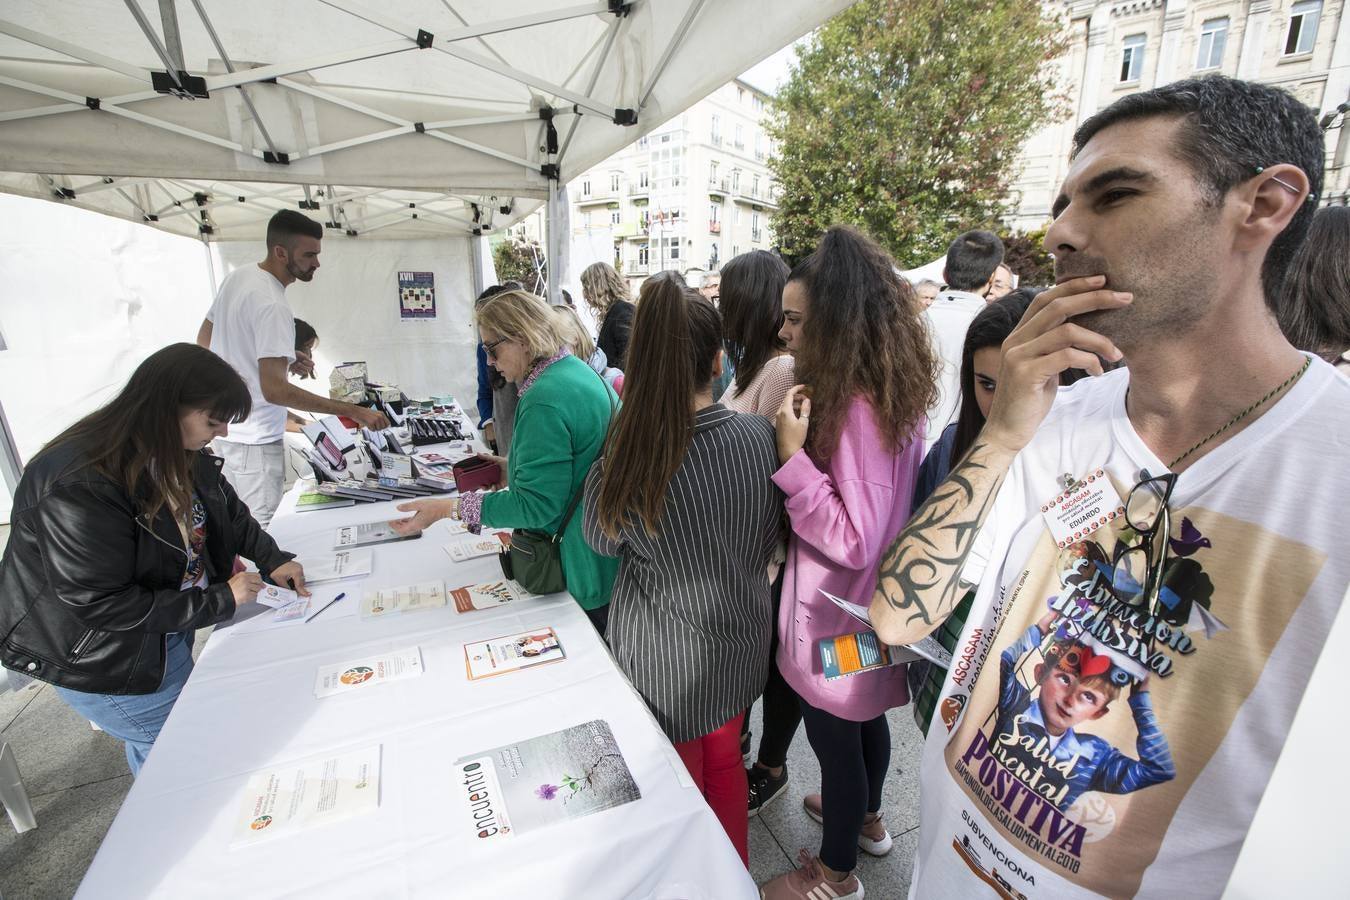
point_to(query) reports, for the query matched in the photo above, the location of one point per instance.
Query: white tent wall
(353, 305)
(85, 298)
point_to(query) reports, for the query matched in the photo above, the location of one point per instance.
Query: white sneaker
(874, 839)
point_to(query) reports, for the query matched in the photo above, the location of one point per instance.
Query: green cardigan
(559, 429)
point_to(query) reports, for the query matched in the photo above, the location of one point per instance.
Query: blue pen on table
(325, 606)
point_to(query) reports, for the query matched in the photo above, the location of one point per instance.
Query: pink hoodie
(843, 520)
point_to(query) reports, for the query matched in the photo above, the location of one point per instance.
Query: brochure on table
(511, 653)
(276, 597)
(531, 784)
(300, 795)
(362, 672)
(474, 546)
(489, 595)
(369, 534)
(409, 598)
(345, 564)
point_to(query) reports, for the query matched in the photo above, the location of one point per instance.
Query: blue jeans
(137, 718)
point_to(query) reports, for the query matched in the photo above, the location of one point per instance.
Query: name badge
(1082, 508)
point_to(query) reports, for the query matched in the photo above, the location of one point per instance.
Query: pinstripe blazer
(690, 616)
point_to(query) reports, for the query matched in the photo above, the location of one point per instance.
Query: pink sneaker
(874, 839)
(809, 883)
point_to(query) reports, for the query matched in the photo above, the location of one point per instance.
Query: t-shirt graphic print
(1100, 740)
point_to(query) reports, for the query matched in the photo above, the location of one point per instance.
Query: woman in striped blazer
(683, 497)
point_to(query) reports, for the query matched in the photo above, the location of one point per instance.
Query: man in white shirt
(969, 271)
(251, 326)
(1158, 552)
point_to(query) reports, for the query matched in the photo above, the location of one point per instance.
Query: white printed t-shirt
(1154, 797)
(948, 317)
(251, 320)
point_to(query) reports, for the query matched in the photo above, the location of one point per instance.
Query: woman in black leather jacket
(123, 539)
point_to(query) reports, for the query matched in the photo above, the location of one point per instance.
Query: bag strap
(581, 489)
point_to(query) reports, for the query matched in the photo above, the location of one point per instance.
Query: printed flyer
(349, 536)
(410, 598)
(347, 564)
(477, 545)
(276, 597)
(487, 596)
(511, 653)
(416, 296)
(366, 671)
(300, 795)
(531, 784)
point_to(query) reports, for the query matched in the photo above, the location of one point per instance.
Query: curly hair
(602, 287)
(862, 336)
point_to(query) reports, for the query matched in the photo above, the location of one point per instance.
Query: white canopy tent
(419, 124)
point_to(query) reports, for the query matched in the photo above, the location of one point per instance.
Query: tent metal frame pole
(173, 38)
(160, 50)
(676, 39)
(11, 463)
(610, 35)
(229, 67)
(554, 242)
(280, 70)
(74, 50)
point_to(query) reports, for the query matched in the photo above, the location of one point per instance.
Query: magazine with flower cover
(540, 781)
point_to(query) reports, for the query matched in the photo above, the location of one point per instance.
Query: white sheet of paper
(367, 671)
(474, 546)
(344, 564)
(276, 597)
(410, 598)
(295, 796)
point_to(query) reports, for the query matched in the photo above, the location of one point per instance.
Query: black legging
(782, 708)
(853, 760)
(599, 619)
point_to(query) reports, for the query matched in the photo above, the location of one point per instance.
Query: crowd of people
(1067, 486)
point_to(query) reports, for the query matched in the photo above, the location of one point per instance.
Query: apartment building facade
(688, 196)
(1118, 48)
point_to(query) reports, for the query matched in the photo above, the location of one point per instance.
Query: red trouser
(714, 761)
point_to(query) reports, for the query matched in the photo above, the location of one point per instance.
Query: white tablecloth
(250, 704)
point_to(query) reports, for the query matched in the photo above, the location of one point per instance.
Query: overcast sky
(772, 72)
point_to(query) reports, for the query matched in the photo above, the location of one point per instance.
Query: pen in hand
(325, 606)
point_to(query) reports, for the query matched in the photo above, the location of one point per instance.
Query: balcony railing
(717, 185)
(756, 234)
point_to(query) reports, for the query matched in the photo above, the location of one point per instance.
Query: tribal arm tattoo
(918, 584)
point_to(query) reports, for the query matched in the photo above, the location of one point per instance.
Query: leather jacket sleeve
(88, 533)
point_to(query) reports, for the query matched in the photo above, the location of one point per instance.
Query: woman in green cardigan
(561, 419)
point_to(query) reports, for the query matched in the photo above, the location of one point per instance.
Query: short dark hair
(287, 225)
(304, 334)
(972, 259)
(1231, 130)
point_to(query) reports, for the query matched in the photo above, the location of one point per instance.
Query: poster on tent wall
(416, 296)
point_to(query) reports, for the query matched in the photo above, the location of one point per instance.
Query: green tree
(1026, 257)
(905, 118)
(514, 261)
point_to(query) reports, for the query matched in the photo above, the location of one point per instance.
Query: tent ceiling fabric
(445, 105)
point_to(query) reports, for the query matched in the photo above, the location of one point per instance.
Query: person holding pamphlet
(867, 372)
(683, 498)
(561, 419)
(124, 537)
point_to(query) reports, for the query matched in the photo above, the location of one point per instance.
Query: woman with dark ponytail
(124, 539)
(850, 439)
(683, 497)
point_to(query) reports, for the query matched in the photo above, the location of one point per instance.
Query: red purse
(475, 473)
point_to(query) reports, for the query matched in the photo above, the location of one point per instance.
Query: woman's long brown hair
(137, 441)
(676, 333)
(863, 335)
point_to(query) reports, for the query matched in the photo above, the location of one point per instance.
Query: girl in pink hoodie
(850, 441)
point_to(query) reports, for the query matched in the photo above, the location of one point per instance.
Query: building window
(740, 137)
(740, 95)
(642, 178)
(735, 249)
(644, 254)
(586, 219)
(672, 248)
(754, 227)
(712, 173)
(735, 179)
(642, 142)
(717, 130)
(1303, 19)
(645, 219)
(1132, 58)
(614, 217)
(614, 181)
(736, 215)
(757, 102)
(1213, 39)
(586, 188)
(759, 146)
(714, 212)
(754, 186)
